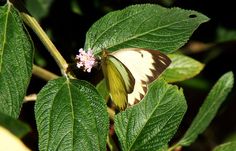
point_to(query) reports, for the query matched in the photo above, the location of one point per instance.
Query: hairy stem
(34, 25)
(43, 73)
(30, 21)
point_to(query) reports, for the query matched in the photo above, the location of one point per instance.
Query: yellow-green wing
(119, 80)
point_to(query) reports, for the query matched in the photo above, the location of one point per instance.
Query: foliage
(71, 114)
(209, 108)
(153, 32)
(226, 147)
(151, 124)
(16, 53)
(16, 127)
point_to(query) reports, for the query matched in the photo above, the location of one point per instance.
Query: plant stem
(34, 25)
(29, 98)
(43, 73)
(111, 113)
(176, 146)
(111, 144)
(31, 22)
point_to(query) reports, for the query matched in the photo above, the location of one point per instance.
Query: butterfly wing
(145, 66)
(119, 80)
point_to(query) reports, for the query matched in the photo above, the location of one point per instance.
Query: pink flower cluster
(86, 60)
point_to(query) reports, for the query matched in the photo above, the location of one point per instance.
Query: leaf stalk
(43, 73)
(31, 22)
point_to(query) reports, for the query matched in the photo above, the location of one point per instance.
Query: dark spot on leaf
(3, 2)
(192, 16)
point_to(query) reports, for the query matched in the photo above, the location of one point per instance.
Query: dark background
(67, 30)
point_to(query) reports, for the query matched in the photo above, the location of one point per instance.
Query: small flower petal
(86, 60)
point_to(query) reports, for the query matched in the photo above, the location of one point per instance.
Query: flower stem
(34, 25)
(30, 21)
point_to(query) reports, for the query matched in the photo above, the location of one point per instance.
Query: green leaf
(144, 26)
(16, 57)
(17, 127)
(150, 124)
(181, 68)
(75, 7)
(209, 108)
(198, 84)
(38, 8)
(230, 146)
(230, 137)
(164, 148)
(71, 115)
(225, 35)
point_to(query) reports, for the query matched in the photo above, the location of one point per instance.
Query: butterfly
(128, 71)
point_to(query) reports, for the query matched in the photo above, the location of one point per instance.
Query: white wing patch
(144, 65)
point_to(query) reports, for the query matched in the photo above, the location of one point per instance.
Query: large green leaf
(230, 146)
(16, 57)
(181, 68)
(150, 124)
(209, 108)
(17, 127)
(71, 115)
(144, 26)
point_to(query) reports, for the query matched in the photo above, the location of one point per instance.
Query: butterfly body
(128, 71)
